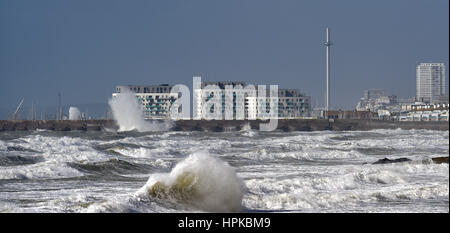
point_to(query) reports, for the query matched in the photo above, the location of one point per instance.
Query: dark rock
(386, 160)
(329, 127)
(65, 128)
(440, 160)
(92, 127)
(305, 128)
(197, 128)
(177, 128)
(285, 128)
(219, 128)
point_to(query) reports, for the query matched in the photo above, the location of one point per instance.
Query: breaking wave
(350, 187)
(200, 181)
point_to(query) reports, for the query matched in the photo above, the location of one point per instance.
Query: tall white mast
(328, 44)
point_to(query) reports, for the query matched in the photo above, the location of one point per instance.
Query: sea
(232, 171)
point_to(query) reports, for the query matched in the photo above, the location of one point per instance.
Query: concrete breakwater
(65, 125)
(233, 125)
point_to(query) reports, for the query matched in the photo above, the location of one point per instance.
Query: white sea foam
(261, 154)
(345, 188)
(250, 133)
(295, 171)
(44, 170)
(2, 145)
(246, 127)
(200, 181)
(56, 153)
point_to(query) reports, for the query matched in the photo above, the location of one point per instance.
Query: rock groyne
(229, 125)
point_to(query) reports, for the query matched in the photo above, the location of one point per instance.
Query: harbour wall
(230, 125)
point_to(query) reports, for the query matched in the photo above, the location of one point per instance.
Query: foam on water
(246, 127)
(44, 170)
(346, 188)
(159, 172)
(56, 152)
(201, 181)
(3, 146)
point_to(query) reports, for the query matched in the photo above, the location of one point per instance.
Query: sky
(85, 48)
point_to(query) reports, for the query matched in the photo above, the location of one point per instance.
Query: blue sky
(84, 48)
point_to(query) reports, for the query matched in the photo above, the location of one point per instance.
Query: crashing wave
(199, 181)
(128, 115)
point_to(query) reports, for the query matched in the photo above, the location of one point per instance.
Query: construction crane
(16, 114)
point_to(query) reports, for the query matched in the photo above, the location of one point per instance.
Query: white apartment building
(243, 103)
(430, 82)
(155, 101)
(238, 103)
(291, 103)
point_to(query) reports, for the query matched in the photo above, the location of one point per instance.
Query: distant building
(291, 103)
(359, 115)
(407, 101)
(318, 112)
(443, 99)
(373, 94)
(375, 100)
(200, 97)
(430, 82)
(155, 100)
(424, 112)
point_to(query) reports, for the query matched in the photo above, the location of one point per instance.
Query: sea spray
(74, 114)
(246, 130)
(246, 127)
(128, 115)
(200, 181)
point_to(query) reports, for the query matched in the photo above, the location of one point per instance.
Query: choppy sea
(246, 171)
